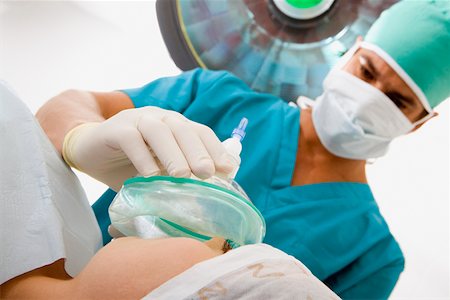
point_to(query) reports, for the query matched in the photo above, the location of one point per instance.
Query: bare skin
(127, 268)
(314, 164)
(72, 108)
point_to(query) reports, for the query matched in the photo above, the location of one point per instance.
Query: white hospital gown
(44, 212)
(249, 272)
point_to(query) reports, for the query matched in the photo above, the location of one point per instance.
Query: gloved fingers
(133, 145)
(192, 146)
(222, 160)
(174, 114)
(116, 178)
(161, 140)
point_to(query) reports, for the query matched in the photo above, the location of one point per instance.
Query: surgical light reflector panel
(282, 47)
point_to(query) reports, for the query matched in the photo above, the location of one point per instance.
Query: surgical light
(282, 47)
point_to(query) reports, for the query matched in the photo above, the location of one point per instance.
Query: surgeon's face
(371, 68)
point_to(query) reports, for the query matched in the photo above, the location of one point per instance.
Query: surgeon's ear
(435, 114)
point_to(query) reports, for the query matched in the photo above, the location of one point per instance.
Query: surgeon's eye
(366, 74)
(397, 99)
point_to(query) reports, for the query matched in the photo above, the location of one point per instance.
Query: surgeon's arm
(197, 89)
(73, 107)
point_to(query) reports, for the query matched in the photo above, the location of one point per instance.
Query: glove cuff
(71, 141)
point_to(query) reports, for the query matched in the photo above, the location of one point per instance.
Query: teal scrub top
(335, 229)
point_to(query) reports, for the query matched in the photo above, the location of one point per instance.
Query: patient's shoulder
(125, 268)
(132, 267)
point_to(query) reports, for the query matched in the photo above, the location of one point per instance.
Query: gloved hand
(128, 143)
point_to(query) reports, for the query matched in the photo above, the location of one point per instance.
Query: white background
(47, 47)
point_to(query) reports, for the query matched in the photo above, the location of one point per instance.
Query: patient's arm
(127, 268)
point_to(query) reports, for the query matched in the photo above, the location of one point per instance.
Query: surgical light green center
(303, 4)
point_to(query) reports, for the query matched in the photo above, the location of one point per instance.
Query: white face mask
(356, 120)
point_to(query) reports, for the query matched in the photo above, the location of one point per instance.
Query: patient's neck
(315, 164)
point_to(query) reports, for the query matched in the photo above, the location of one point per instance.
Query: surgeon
(303, 168)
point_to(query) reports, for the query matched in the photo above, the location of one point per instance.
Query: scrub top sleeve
(177, 92)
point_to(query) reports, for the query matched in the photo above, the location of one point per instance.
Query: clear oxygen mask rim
(237, 234)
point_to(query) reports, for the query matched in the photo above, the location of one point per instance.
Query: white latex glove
(128, 143)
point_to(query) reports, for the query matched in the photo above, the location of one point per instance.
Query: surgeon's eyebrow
(367, 62)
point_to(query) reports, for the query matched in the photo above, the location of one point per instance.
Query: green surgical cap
(416, 35)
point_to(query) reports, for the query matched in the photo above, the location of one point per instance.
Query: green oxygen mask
(164, 206)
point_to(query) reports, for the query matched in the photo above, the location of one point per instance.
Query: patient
(50, 240)
(131, 268)
(127, 268)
